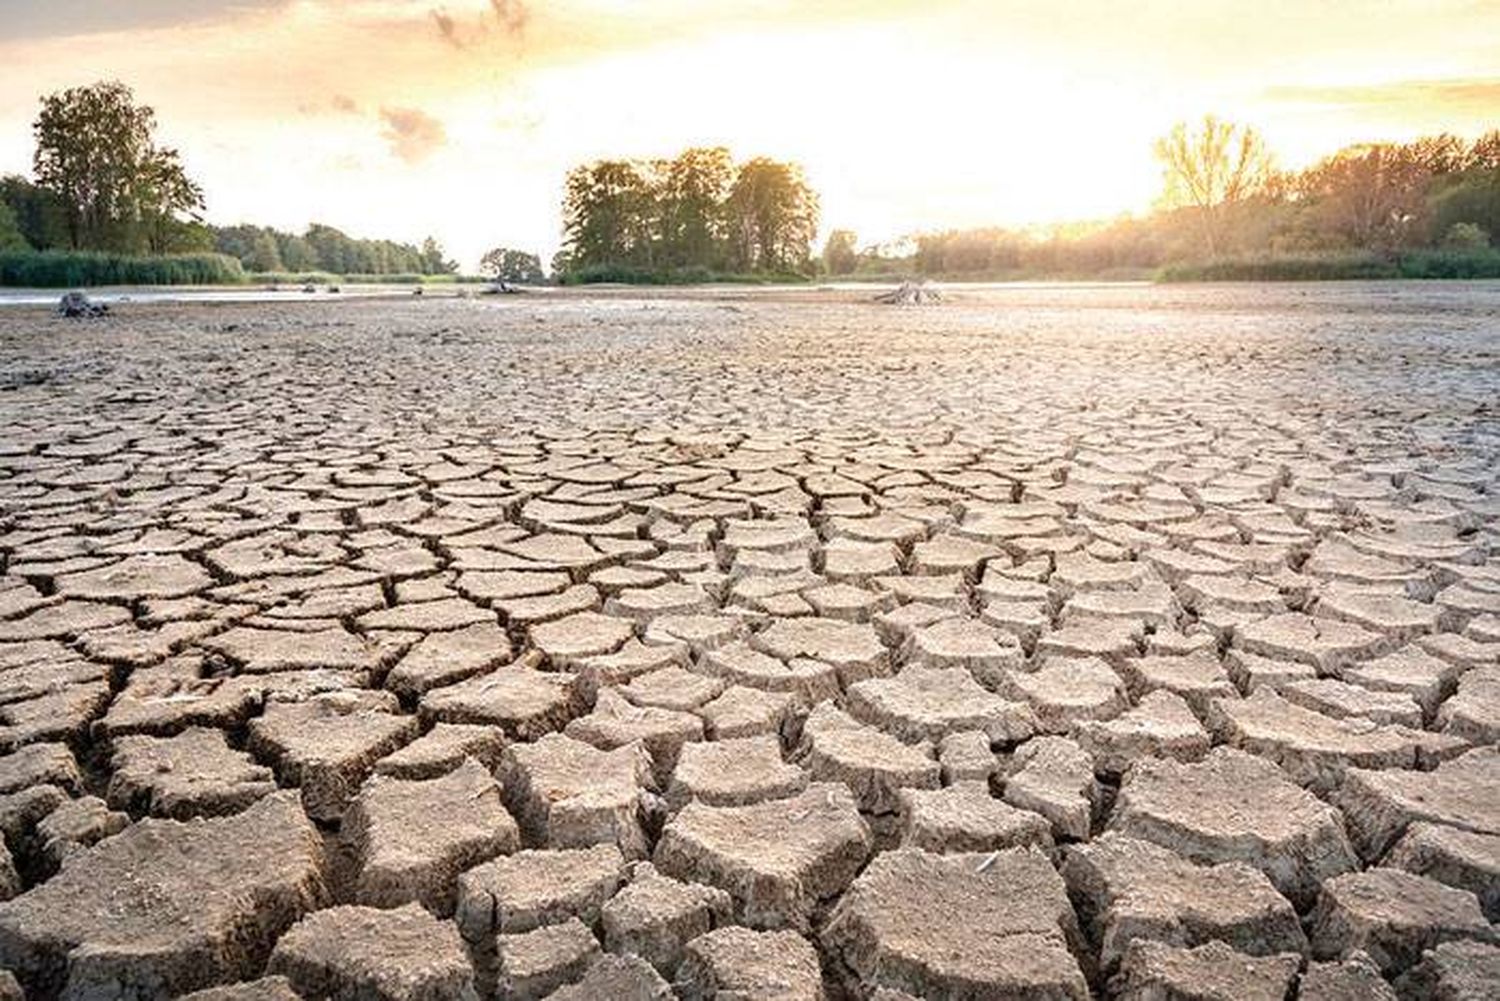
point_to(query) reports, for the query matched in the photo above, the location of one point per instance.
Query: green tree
(297, 255)
(509, 265)
(38, 212)
(433, 261)
(608, 211)
(95, 151)
(773, 216)
(1372, 195)
(839, 254)
(693, 189)
(11, 237)
(1211, 169)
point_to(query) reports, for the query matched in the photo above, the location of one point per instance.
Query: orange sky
(460, 117)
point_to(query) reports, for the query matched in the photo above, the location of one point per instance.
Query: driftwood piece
(76, 306)
(911, 294)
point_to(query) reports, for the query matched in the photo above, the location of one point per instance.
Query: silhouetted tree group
(1223, 198)
(697, 211)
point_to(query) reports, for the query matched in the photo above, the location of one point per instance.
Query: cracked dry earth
(1119, 643)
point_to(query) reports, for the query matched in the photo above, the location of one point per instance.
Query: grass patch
(1472, 262)
(73, 269)
(597, 274)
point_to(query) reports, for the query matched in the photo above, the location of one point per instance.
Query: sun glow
(461, 118)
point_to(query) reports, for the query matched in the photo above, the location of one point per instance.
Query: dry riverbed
(1048, 643)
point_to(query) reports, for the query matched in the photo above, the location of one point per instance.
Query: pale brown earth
(1045, 643)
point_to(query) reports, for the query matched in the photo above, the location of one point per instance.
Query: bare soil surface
(1051, 642)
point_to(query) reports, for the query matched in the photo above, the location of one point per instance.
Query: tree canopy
(507, 265)
(698, 210)
(96, 152)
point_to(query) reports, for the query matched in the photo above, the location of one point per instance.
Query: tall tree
(95, 151)
(509, 265)
(608, 210)
(693, 190)
(774, 216)
(11, 237)
(1371, 195)
(39, 213)
(839, 255)
(1218, 164)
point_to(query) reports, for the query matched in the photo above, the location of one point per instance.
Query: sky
(460, 118)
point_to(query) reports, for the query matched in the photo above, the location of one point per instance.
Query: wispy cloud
(511, 15)
(412, 134)
(1478, 95)
(447, 27)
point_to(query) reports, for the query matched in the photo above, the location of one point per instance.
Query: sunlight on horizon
(461, 119)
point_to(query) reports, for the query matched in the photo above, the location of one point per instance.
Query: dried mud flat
(1051, 643)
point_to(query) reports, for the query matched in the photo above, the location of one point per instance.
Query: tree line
(697, 213)
(1435, 200)
(102, 184)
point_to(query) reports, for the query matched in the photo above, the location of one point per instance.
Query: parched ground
(1048, 643)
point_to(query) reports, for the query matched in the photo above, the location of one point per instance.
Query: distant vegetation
(1424, 209)
(699, 214)
(110, 206)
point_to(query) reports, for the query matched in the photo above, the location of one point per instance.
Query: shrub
(75, 269)
(1465, 236)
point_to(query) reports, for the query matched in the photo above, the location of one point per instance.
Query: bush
(622, 274)
(1475, 262)
(1284, 268)
(75, 269)
(1465, 236)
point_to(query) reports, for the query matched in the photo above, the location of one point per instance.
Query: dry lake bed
(1051, 642)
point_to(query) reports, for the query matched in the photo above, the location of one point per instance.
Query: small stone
(352, 953)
